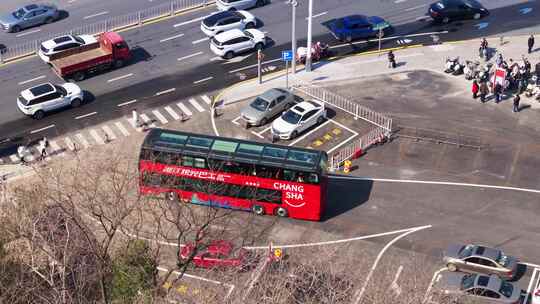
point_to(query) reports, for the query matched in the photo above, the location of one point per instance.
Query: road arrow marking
(525, 10)
(403, 41)
(482, 25)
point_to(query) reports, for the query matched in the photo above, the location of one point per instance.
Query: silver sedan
(267, 106)
(28, 16)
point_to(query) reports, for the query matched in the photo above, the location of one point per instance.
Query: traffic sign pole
(287, 74)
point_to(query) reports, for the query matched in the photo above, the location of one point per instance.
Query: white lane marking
(343, 142)
(71, 1)
(85, 115)
(120, 127)
(14, 158)
(42, 129)
(203, 80)
(160, 117)
(184, 109)
(171, 112)
(82, 140)
(253, 65)
(109, 132)
(206, 99)
(386, 38)
(415, 7)
(317, 15)
(215, 58)
(235, 121)
(257, 134)
(126, 103)
(96, 137)
(196, 105)
(399, 1)
(70, 144)
(308, 133)
(28, 33)
(384, 60)
(189, 56)
(190, 21)
(265, 130)
(410, 181)
(148, 121)
(358, 238)
(200, 40)
(171, 38)
(379, 256)
(120, 77)
(165, 92)
(95, 15)
(30, 80)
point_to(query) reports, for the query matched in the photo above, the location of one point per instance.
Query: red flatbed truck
(110, 51)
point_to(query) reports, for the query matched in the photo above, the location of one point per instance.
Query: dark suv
(446, 10)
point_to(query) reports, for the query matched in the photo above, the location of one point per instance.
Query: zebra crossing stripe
(14, 158)
(160, 117)
(70, 144)
(120, 127)
(147, 120)
(184, 109)
(206, 99)
(131, 122)
(56, 148)
(109, 132)
(82, 140)
(96, 137)
(196, 105)
(172, 113)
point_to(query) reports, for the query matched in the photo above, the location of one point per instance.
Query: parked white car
(230, 43)
(223, 21)
(298, 119)
(226, 5)
(536, 295)
(43, 98)
(63, 43)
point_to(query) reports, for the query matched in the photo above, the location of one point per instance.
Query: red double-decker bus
(233, 173)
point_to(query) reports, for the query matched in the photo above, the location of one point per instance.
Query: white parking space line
(165, 91)
(184, 109)
(257, 134)
(171, 38)
(171, 112)
(189, 56)
(190, 21)
(28, 33)
(160, 117)
(253, 65)
(200, 40)
(109, 132)
(82, 140)
(30, 80)
(96, 137)
(196, 105)
(230, 286)
(317, 15)
(14, 158)
(399, 1)
(126, 103)
(206, 99)
(265, 130)
(345, 141)
(120, 77)
(42, 129)
(532, 284)
(85, 115)
(120, 127)
(203, 80)
(415, 7)
(148, 121)
(315, 129)
(70, 144)
(235, 121)
(96, 15)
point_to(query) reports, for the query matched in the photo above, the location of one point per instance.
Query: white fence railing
(356, 147)
(131, 19)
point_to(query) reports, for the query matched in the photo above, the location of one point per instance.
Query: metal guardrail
(357, 146)
(132, 19)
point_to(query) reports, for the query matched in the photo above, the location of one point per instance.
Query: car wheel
(229, 55)
(118, 63)
(348, 39)
(263, 122)
(250, 25)
(79, 76)
(445, 20)
(39, 115)
(49, 20)
(75, 103)
(294, 134)
(259, 46)
(258, 210)
(320, 120)
(476, 16)
(282, 212)
(451, 267)
(16, 29)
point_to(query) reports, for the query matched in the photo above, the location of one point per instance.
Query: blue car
(357, 26)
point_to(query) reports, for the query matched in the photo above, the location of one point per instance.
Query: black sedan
(446, 10)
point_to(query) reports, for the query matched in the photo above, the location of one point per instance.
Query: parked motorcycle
(483, 74)
(319, 51)
(471, 69)
(450, 65)
(458, 68)
(533, 88)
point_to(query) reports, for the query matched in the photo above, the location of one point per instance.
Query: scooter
(450, 65)
(533, 88)
(458, 68)
(471, 69)
(318, 51)
(484, 72)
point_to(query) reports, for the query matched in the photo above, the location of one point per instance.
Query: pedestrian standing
(391, 60)
(484, 90)
(497, 91)
(516, 103)
(135, 118)
(21, 151)
(475, 89)
(530, 43)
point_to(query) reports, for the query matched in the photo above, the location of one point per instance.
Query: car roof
(305, 106)
(228, 35)
(272, 94)
(490, 282)
(487, 252)
(63, 39)
(355, 19)
(42, 89)
(214, 18)
(31, 7)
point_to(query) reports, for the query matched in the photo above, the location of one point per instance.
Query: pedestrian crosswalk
(111, 131)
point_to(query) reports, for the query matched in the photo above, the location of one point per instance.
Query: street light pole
(309, 43)
(294, 4)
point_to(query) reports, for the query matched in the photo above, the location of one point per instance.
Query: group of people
(24, 151)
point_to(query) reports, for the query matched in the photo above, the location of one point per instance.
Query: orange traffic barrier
(347, 166)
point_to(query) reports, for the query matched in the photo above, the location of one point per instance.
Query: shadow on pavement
(347, 193)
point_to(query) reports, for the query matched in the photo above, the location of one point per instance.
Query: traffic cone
(347, 166)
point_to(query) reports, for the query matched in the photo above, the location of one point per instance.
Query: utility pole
(309, 43)
(293, 4)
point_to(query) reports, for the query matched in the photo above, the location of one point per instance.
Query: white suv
(231, 5)
(63, 43)
(47, 97)
(230, 43)
(298, 119)
(224, 21)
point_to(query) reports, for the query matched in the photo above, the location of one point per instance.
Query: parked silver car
(231, 5)
(480, 259)
(266, 106)
(28, 16)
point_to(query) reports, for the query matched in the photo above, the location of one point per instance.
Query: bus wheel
(282, 212)
(171, 196)
(258, 210)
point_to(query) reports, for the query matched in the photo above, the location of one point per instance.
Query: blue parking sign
(287, 55)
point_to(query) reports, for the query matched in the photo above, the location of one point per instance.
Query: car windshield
(466, 251)
(61, 90)
(472, 3)
(503, 259)
(78, 39)
(260, 104)
(247, 33)
(506, 289)
(19, 13)
(468, 281)
(291, 117)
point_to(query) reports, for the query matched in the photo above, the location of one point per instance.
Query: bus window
(146, 154)
(264, 172)
(151, 179)
(313, 178)
(187, 161)
(289, 175)
(200, 163)
(268, 196)
(300, 177)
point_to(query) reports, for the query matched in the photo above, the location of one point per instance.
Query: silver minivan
(228, 5)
